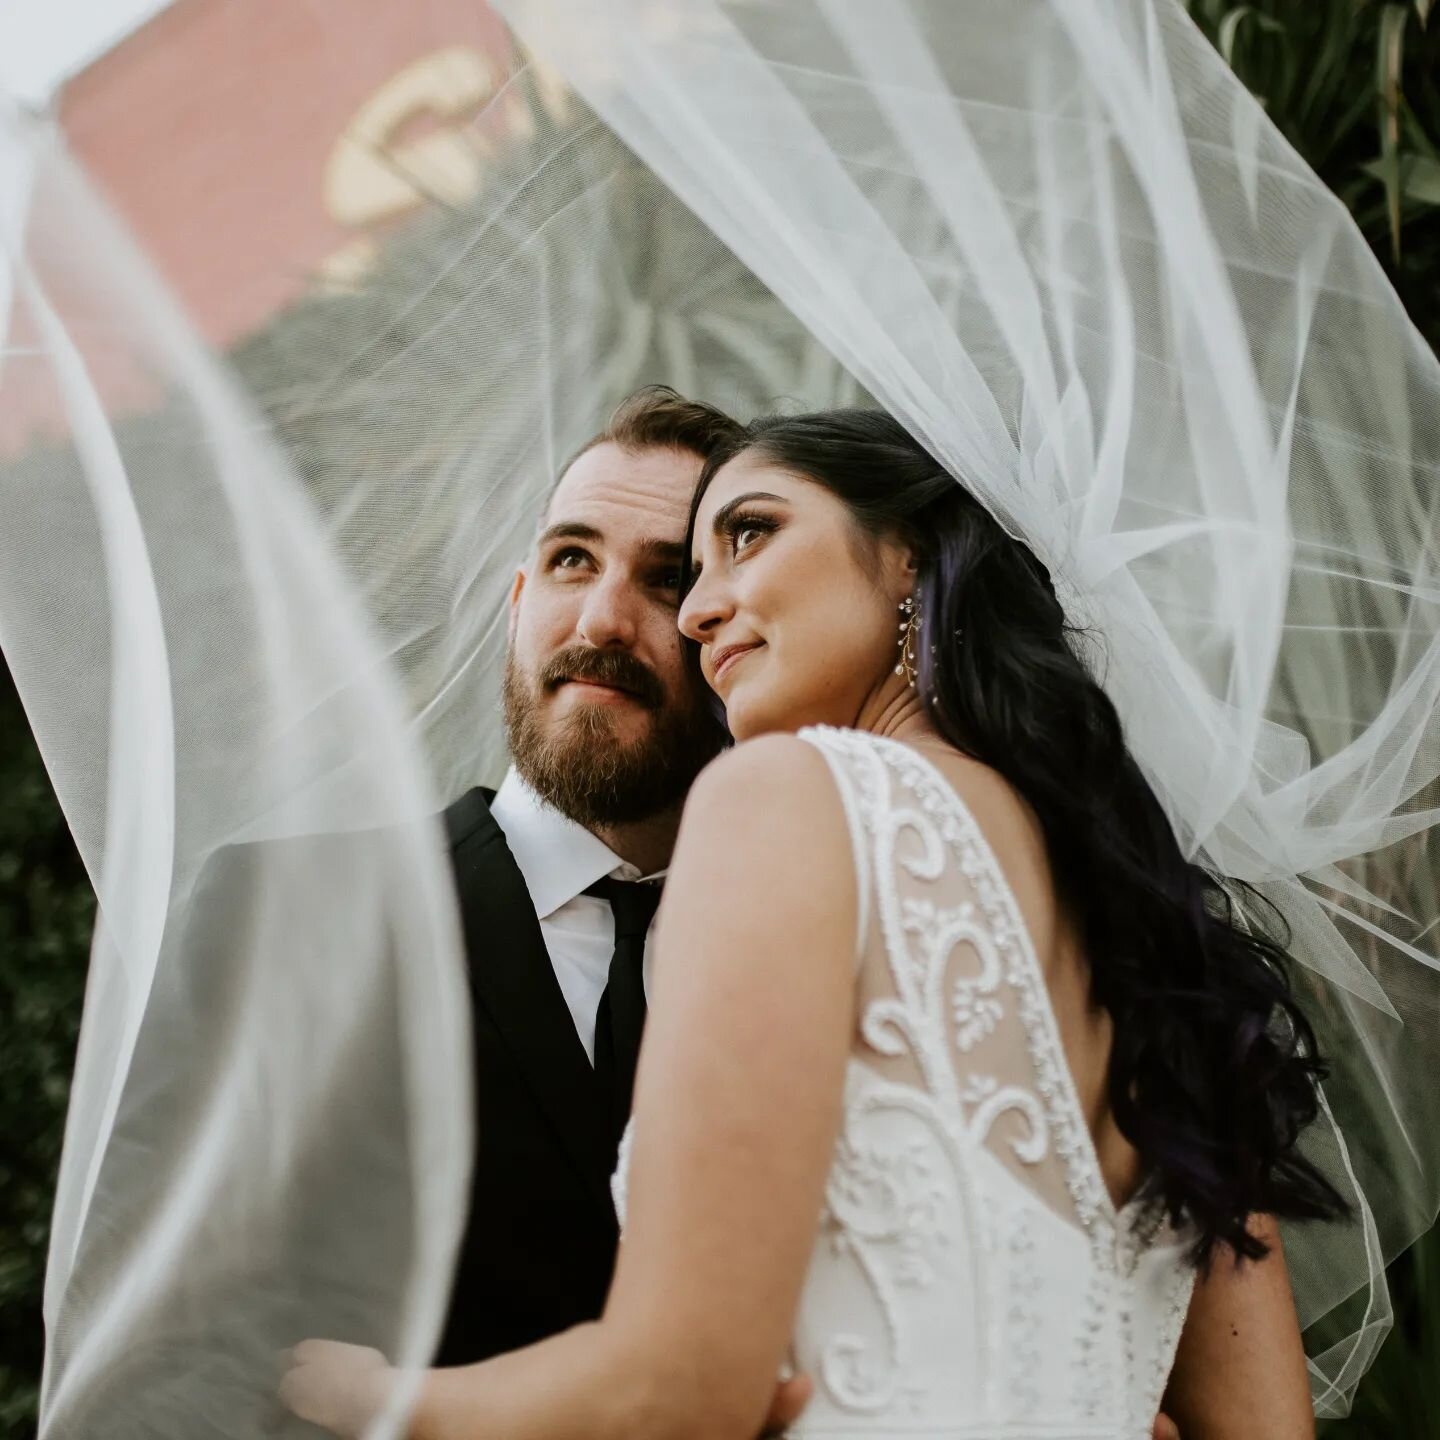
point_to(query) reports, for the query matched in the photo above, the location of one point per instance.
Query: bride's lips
(727, 655)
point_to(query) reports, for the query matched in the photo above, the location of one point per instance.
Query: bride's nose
(704, 609)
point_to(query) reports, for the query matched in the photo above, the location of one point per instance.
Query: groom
(558, 872)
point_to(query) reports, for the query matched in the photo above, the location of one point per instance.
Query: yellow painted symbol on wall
(375, 173)
(412, 143)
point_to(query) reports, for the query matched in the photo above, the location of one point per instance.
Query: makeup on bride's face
(794, 627)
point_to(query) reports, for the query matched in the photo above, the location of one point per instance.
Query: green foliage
(1354, 85)
(46, 915)
(1399, 1399)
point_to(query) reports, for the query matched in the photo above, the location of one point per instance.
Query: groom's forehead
(621, 491)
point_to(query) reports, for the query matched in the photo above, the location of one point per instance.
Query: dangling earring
(909, 639)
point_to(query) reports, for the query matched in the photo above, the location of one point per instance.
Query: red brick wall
(210, 129)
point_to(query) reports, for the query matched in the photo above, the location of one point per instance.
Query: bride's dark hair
(1213, 1066)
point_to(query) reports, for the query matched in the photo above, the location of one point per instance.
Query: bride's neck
(895, 711)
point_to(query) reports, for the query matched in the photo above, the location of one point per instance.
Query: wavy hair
(1213, 1068)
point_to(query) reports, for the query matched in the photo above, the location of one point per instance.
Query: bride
(933, 969)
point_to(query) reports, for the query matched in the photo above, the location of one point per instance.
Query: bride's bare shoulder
(763, 864)
(770, 774)
(773, 796)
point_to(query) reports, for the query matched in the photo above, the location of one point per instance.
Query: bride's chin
(749, 722)
(740, 720)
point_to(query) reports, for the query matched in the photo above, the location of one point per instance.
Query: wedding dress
(971, 1275)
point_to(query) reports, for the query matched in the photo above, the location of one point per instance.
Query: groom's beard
(580, 763)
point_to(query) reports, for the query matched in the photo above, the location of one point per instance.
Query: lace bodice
(971, 1277)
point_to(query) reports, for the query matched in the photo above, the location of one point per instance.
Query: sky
(44, 41)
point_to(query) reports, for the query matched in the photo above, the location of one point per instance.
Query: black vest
(540, 1242)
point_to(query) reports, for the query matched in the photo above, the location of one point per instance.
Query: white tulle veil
(255, 607)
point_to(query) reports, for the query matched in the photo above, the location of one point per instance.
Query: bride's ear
(901, 570)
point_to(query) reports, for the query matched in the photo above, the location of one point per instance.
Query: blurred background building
(351, 138)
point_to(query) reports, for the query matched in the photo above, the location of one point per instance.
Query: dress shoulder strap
(859, 773)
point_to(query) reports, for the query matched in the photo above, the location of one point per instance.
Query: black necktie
(621, 1016)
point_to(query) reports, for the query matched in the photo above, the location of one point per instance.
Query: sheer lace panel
(970, 1261)
(952, 1001)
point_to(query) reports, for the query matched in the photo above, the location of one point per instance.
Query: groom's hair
(657, 417)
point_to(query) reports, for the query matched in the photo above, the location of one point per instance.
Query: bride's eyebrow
(723, 516)
(726, 512)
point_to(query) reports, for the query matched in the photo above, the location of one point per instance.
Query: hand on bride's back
(791, 1397)
(340, 1388)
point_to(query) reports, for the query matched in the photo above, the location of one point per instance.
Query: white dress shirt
(558, 858)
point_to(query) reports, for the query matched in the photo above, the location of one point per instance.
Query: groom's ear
(516, 587)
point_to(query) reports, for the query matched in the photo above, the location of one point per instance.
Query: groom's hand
(1165, 1429)
(341, 1388)
(791, 1397)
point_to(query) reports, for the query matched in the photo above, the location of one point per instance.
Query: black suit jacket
(540, 1242)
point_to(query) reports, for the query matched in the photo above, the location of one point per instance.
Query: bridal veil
(254, 604)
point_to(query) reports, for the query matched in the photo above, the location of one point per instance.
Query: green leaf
(1419, 177)
(1390, 60)
(1230, 28)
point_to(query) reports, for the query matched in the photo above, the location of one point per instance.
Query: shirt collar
(558, 857)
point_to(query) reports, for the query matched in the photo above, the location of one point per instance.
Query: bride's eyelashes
(741, 531)
(746, 529)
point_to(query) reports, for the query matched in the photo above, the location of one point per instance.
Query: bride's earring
(909, 639)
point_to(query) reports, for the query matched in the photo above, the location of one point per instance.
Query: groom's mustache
(616, 668)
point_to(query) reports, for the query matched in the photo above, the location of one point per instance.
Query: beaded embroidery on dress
(971, 1276)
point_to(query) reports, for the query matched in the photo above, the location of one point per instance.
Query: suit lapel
(513, 978)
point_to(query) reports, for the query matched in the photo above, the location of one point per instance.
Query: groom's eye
(665, 584)
(568, 559)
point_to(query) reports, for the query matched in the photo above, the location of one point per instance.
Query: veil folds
(256, 613)
(269, 1125)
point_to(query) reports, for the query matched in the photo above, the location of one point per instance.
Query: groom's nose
(609, 617)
